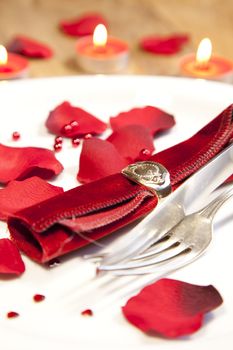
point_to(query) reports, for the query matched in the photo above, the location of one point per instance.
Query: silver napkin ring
(150, 174)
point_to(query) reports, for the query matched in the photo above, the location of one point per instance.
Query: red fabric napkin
(47, 230)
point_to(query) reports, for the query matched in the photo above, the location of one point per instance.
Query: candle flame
(3, 55)
(100, 36)
(204, 52)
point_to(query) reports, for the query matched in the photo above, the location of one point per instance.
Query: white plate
(56, 322)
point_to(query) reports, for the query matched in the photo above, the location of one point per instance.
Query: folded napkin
(72, 219)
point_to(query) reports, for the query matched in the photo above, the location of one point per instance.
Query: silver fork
(179, 247)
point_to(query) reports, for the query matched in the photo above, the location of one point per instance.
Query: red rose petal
(171, 308)
(18, 195)
(153, 118)
(81, 26)
(65, 114)
(18, 163)
(10, 259)
(131, 140)
(99, 158)
(29, 47)
(167, 45)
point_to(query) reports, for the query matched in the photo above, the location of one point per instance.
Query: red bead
(67, 129)
(15, 135)
(75, 142)
(12, 314)
(38, 298)
(87, 312)
(57, 147)
(58, 139)
(74, 124)
(88, 136)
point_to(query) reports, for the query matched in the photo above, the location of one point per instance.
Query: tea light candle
(101, 53)
(207, 66)
(12, 66)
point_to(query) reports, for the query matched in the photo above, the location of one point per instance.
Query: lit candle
(12, 66)
(101, 53)
(207, 66)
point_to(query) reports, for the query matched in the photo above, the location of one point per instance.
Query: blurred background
(129, 20)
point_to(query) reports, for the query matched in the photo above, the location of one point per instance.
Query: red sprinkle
(12, 314)
(87, 312)
(58, 139)
(38, 298)
(88, 136)
(15, 135)
(75, 142)
(57, 147)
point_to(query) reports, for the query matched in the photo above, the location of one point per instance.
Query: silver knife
(173, 208)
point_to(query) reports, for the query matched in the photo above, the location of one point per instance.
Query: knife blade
(173, 208)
